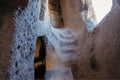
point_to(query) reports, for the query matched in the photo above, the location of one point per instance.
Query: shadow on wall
(1, 18)
(10, 5)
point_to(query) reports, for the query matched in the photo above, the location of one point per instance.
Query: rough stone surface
(55, 13)
(6, 36)
(26, 23)
(72, 51)
(64, 42)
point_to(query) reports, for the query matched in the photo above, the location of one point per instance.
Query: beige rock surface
(99, 58)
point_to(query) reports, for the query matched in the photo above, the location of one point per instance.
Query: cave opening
(101, 8)
(39, 58)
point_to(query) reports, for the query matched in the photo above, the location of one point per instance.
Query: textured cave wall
(23, 48)
(88, 14)
(6, 35)
(100, 54)
(90, 17)
(20, 25)
(72, 16)
(55, 13)
(7, 30)
(99, 51)
(19, 21)
(62, 41)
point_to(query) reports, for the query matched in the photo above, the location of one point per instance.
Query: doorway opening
(39, 59)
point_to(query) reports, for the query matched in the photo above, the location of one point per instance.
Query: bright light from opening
(101, 7)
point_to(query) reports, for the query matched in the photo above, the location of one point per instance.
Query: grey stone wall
(24, 40)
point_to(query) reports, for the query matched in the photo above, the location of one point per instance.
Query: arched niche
(55, 13)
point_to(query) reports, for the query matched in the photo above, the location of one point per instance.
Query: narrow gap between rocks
(39, 58)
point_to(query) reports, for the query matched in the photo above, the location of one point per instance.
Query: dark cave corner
(39, 59)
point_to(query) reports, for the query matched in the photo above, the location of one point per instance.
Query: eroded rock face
(55, 13)
(6, 36)
(66, 41)
(25, 35)
(7, 30)
(100, 54)
(98, 51)
(18, 33)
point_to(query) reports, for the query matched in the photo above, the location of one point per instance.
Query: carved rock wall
(99, 58)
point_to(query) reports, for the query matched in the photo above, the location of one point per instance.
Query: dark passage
(39, 60)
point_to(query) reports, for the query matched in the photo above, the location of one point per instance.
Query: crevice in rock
(94, 64)
(39, 59)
